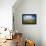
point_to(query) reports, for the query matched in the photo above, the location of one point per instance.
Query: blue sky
(29, 17)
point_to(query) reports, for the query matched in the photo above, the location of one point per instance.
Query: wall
(6, 16)
(43, 22)
(6, 13)
(32, 32)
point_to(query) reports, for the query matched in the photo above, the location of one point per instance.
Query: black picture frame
(29, 18)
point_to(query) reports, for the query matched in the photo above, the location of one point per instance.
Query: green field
(29, 22)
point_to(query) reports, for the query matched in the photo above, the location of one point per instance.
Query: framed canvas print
(29, 19)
